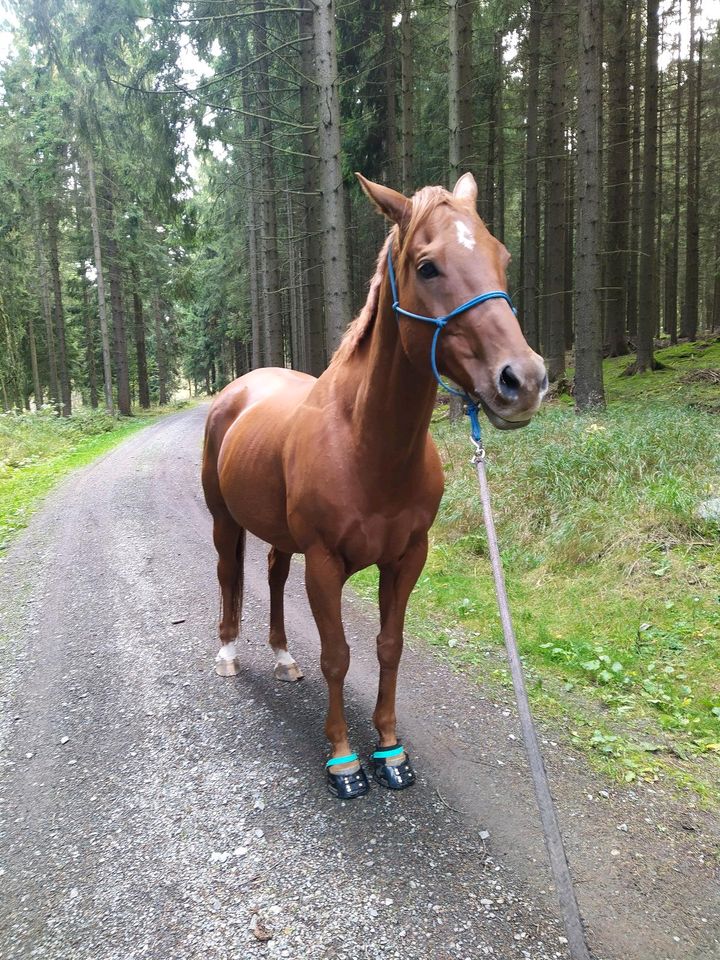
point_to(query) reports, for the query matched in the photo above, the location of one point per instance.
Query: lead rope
(548, 815)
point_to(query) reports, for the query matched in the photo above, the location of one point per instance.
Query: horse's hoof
(288, 672)
(348, 786)
(226, 662)
(395, 776)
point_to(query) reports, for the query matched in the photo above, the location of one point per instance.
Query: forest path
(152, 809)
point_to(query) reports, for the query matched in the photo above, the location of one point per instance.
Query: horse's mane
(423, 203)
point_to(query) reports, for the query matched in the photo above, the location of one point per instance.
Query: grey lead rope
(548, 816)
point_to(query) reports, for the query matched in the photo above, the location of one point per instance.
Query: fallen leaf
(260, 931)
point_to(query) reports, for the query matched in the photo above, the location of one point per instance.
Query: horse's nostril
(509, 383)
(544, 384)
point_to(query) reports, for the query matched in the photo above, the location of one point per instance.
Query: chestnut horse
(342, 468)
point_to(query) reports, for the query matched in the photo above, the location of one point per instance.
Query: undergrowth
(614, 578)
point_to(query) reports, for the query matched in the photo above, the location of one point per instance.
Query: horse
(343, 469)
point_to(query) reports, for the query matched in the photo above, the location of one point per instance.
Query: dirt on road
(151, 809)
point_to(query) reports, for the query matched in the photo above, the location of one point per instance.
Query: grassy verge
(614, 578)
(38, 449)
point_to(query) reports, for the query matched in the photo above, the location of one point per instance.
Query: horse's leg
(278, 568)
(324, 578)
(396, 583)
(229, 541)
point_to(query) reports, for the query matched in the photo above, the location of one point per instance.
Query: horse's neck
(393, 402)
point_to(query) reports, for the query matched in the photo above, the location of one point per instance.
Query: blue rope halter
(440, 323)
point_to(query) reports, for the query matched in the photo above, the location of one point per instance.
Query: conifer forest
(178, 202)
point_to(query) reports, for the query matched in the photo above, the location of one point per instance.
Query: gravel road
(153, 810)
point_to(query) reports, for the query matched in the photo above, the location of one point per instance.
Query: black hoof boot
(393, 777)
(349, 784)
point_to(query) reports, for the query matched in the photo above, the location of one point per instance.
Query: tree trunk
(160, 354)
(490, 156)
(47, 312)
(459, 111)
(117, 311)
(499, 199)
(275, 355)
(531, 233)
(618, 187)
(297, 327)
(647, 317)
(634, 258)
(391, 149)
(90, 370)
(698, 154)
(569, 267)
(689, 322)
(554, 347)
(715, 316)
(588, 334)
(407, 126)
(253, 272)
(660, 164)
(140, 347)
(64, 371)
(37, 388)
(258, 308)
(89, 342)
(460, 98)
(317, 357)
(100, 281)
(334, 237)
(672, 272)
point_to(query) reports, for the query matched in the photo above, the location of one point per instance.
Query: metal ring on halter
(479, 454)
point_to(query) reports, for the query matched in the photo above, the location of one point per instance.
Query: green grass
(614, 580)
(38, 449)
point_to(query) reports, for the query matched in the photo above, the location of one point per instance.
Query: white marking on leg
(228, 651)
(284, 657)
(226, 661)
(464, 235)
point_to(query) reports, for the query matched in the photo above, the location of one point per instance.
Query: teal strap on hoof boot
(348, 784)
(394, 776)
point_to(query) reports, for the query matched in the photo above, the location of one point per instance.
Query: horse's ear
(395, 206)
(466, 189)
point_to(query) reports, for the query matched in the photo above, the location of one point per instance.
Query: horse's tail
(228, 536)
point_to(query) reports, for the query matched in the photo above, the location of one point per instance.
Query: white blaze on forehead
(464, 235)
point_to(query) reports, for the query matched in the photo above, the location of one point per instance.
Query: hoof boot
(393, 776)
(348, 784)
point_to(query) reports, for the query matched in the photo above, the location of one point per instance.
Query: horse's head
(444, 255)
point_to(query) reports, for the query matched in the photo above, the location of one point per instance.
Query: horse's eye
(428, 270)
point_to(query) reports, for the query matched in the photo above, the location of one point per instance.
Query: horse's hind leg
(229, 541)
(278, 568)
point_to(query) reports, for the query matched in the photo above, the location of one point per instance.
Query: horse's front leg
(324, 578)
(391, 764)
